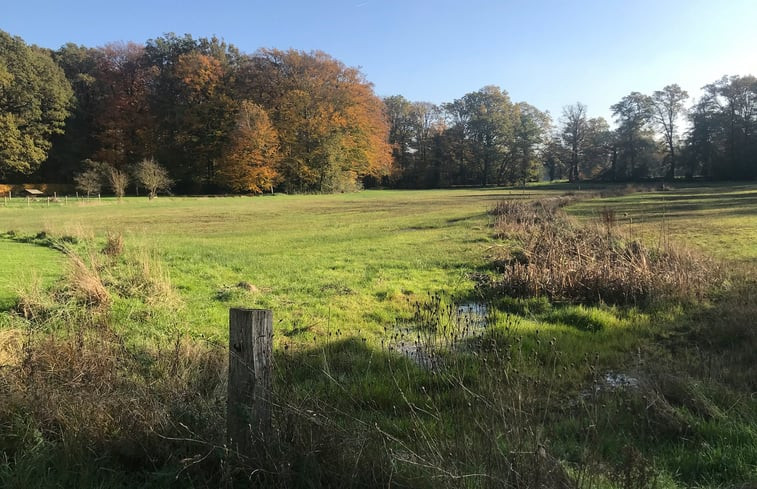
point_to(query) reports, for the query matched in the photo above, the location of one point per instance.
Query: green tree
(34, 101)
(399, 113)
(731, 103)
(574, 131)
(667, 107)
(484, 122)
(79, 140)
(413, 129)
(531, 130)
(600, 143)
(554, 156)
(633, 114)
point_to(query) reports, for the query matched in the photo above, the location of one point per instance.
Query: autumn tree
(34, 102)
(153, 177)
(249, 162)
(206, 113)
(192, 100)
(332, 128)
(667, 107)
(123, 122)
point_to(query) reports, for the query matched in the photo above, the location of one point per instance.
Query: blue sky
(549, 53)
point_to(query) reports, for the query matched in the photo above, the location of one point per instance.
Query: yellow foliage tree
(332, 127)
(250, 159)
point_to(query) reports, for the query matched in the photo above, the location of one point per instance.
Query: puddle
(437, 327)
(617, 380)
(612, 382)
(475, 314)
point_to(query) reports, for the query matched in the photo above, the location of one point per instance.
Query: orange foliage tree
(250, 159)
(206, 111)
(332, 127)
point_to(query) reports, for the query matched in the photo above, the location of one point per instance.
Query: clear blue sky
(549, 53)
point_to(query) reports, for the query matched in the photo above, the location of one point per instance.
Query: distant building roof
(33, 191)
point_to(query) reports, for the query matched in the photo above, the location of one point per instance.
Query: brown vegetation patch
(553, 256)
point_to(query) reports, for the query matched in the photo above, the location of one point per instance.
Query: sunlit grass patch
(21, 264)
(720, 219)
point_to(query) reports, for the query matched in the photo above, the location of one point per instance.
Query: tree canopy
(218, 119)
(35, 97)
(222, 120)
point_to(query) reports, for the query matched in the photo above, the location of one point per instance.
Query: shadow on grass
(502, 410)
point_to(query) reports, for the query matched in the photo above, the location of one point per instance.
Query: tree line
(215, 118)
(219, 120)
(484, 138)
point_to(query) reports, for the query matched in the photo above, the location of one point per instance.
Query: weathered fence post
(248, 412)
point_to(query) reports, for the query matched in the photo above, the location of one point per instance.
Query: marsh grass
(564, 260)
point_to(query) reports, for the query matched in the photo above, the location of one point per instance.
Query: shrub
(153, 177)
(118, 181)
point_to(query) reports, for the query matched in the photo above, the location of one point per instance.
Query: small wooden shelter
(33, 192)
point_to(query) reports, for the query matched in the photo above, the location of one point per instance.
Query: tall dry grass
(554, 256)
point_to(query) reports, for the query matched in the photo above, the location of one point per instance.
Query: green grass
(719, 219)
(340, 269)
(23, 265)
(349, 260)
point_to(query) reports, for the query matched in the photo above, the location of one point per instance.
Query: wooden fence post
(248, 411)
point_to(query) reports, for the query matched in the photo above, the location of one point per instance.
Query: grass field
(24, 265)
(721, 220)
(338, 269)
(350, 259)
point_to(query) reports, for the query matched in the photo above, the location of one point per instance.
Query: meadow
(353, 258)
(551, 393)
